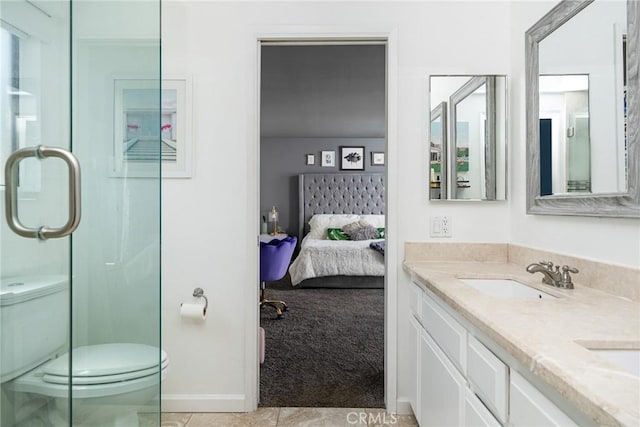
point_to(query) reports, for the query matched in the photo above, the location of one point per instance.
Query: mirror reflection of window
(19, 103)
(470, 113)
(437, 151)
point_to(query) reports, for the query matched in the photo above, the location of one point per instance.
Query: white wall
(205, 237)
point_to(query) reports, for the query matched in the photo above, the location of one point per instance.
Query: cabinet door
(414, 365)
(529, 407)
(442, 387)
(476, 414)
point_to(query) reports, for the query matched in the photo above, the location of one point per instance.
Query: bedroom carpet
(327, 351)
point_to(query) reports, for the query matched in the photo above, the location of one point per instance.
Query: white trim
(252, 297)
(390, 35)
(404, 407)
(391, 253)
(203, 403)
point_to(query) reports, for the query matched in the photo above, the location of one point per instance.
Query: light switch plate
(440, 226)
(436, 227)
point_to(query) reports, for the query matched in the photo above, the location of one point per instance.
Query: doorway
(318, 98)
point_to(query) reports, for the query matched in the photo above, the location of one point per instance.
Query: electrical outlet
(445, 226)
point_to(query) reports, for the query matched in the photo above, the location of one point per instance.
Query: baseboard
(203, 403)
(403, 407)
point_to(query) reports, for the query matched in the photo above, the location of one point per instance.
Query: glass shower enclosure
(81, 152)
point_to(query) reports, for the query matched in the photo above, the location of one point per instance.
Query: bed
(332, 201)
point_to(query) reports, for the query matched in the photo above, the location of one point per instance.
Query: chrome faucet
(553, 276)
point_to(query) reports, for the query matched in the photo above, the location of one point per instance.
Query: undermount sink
(627, 359)
(506, 288)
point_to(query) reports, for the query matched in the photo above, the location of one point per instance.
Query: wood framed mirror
(583, 110)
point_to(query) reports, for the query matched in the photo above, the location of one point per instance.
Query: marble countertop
(550, 336)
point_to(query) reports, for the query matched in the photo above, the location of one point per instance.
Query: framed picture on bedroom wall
(377, 158)
(328, 159)
(352, 158)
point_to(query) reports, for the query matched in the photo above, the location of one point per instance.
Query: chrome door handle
(11, 192)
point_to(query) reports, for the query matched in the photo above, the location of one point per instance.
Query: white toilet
(109, 381)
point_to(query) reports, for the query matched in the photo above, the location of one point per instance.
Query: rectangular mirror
(468, 137)
(583, 107)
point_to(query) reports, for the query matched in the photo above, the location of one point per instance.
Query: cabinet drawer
(489, 377)
(446, 331)
(415, 301)
(529, 407)
(476, 414)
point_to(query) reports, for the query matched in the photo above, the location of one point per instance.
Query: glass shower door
(34, 273)
(80, 314)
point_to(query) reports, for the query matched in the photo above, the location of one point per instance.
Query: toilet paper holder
(199, 293)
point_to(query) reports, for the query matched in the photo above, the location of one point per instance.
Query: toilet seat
(105, 363)
(103, 379)
(98, 370)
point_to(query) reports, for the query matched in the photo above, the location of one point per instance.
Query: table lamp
(273, 217)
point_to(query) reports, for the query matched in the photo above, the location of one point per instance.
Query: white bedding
(319, 258)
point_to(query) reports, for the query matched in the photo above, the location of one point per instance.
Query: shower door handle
(11, 192)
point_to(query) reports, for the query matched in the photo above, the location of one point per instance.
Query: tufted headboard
(331, 193)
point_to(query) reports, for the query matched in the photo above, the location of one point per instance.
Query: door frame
(329, 35)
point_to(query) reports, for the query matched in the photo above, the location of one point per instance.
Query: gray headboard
(332, 193)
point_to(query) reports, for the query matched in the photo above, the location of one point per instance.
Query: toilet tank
(34, 319)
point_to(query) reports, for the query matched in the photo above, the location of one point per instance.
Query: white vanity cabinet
(440, 394)
(457, 381)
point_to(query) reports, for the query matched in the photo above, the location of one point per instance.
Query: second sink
(506, 288)
(628, 359)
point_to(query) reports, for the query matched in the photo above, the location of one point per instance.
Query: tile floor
(291, 417)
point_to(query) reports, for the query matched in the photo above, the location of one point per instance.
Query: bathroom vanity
(530, 354)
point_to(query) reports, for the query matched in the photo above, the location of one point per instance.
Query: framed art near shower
(145, 137)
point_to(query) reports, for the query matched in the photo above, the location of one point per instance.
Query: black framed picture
(311, 159)
(352, 158)
(377, 158)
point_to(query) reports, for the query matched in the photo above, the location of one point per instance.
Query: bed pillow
(367, 232)
(376, 220)
(350, 228)
(337, 234)
(320, 223)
